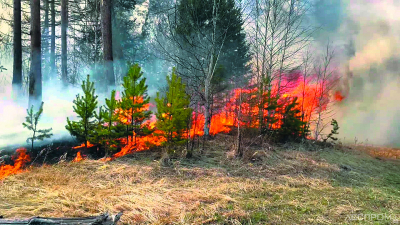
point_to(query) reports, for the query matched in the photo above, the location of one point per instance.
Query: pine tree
(173, 112)
(134, 102)
(292, 126)
(113, 129)
(197, 16)
(96, 135)
(209, 36)
(85, 107)
(31, 122)
(334, 131)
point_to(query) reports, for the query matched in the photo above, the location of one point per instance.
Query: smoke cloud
(57, 107)
(369, 34)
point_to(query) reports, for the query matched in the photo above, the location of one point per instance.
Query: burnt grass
(52, 152)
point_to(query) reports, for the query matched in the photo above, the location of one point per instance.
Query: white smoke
(58, 105)
(372, 84)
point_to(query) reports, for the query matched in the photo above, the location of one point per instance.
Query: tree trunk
(53, 72)
(207, 94)
(35, 75)
(239, 149)
(283, 59)
(210, 73)
(45, 37)
(17, 67)
(107, 43)
(118, 54)
(64, 26)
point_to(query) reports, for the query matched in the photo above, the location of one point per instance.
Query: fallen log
(103, 219)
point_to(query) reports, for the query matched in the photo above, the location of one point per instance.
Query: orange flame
(78, 157)
(338, 96)
(19, 162)
(89, 145)
(106, 159)
(310, 96)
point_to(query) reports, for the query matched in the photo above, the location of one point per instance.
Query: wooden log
(103, 219)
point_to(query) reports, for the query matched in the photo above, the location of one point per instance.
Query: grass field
(284, 185)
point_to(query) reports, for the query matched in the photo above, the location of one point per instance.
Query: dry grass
(287, 186)
(380, 152)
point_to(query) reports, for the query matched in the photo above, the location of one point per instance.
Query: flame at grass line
(78, 157)
(20, 160)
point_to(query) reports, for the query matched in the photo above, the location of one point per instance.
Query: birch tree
(277, 39)
(195, 38)
(326, 79)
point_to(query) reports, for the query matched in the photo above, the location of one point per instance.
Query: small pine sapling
(113, 128)
(31, 122)
(2, 68)
(173, 112)
(292, 126)
(134, 103)
(334, 131)
(270, 105)
(96, 136)
(85, 107)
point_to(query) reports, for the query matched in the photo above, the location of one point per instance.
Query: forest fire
(20, 160)
(139, 144)
(309, 97)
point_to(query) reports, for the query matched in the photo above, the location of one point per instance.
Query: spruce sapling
(31, 122)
